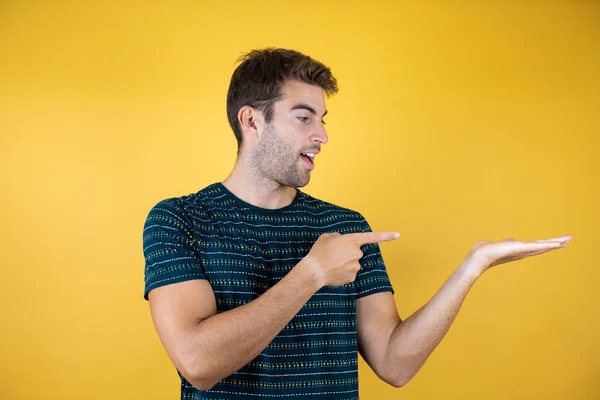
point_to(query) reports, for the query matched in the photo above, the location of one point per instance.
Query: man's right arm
(207, 347)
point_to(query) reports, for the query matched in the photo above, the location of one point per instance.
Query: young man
(257, 289)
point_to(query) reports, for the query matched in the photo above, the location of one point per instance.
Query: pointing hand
(335, 257)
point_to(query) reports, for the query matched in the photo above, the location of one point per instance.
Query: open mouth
(308, 158)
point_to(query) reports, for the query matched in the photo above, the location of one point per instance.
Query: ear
(251, 121)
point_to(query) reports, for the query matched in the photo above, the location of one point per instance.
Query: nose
(319, 135)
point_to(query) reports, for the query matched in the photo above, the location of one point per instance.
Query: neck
(257, 190)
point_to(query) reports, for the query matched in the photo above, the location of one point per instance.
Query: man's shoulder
(195, 202)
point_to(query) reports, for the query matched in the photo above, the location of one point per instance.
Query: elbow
(198, 376)
(403, 371)
(202, 385)
(199, 380)
(397, 382)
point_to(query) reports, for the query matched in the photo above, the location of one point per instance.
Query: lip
(307, 163)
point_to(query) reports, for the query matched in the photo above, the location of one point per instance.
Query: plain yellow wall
(455, 122)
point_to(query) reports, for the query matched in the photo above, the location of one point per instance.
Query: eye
(303, 119)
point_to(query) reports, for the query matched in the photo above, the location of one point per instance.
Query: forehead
(294, 92)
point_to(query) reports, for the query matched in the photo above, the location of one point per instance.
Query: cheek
(300, 133)
(292, 136)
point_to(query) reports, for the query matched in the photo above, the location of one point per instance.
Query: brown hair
(257, 81)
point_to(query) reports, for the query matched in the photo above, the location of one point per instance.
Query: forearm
(225, 342)
(413, 340)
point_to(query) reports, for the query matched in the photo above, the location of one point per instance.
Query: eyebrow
(306, 107)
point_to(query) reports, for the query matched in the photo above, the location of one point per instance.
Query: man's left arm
(396, 349)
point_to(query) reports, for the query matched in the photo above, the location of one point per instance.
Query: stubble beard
(274, 158)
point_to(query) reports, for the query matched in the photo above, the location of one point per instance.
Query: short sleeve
(168, 244)
(372, 277)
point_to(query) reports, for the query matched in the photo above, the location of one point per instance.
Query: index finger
(372, 237)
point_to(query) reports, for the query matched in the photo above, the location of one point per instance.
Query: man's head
(275, 107)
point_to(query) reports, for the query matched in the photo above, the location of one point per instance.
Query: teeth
(311, 155)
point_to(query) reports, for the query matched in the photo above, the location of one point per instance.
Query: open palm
(489, 254)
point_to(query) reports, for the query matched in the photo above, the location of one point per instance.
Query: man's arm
(396, 349)
(207, 347)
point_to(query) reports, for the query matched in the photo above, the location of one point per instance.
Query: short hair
(257, 81)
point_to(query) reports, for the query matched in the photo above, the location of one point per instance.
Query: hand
(486, 254)
(334, 257)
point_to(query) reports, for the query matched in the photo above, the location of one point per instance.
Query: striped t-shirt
(243, 250)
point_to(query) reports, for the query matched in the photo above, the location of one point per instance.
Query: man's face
(295, 133)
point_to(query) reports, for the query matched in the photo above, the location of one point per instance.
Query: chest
(244, 256)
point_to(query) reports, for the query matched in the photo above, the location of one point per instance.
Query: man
(257, 289)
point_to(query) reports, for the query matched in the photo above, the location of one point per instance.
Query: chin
(295, 179)
(303, 184)
(296, 184)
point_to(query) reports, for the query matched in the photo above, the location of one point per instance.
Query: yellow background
(455, 122)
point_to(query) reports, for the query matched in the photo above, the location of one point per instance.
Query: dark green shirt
(243, 250)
